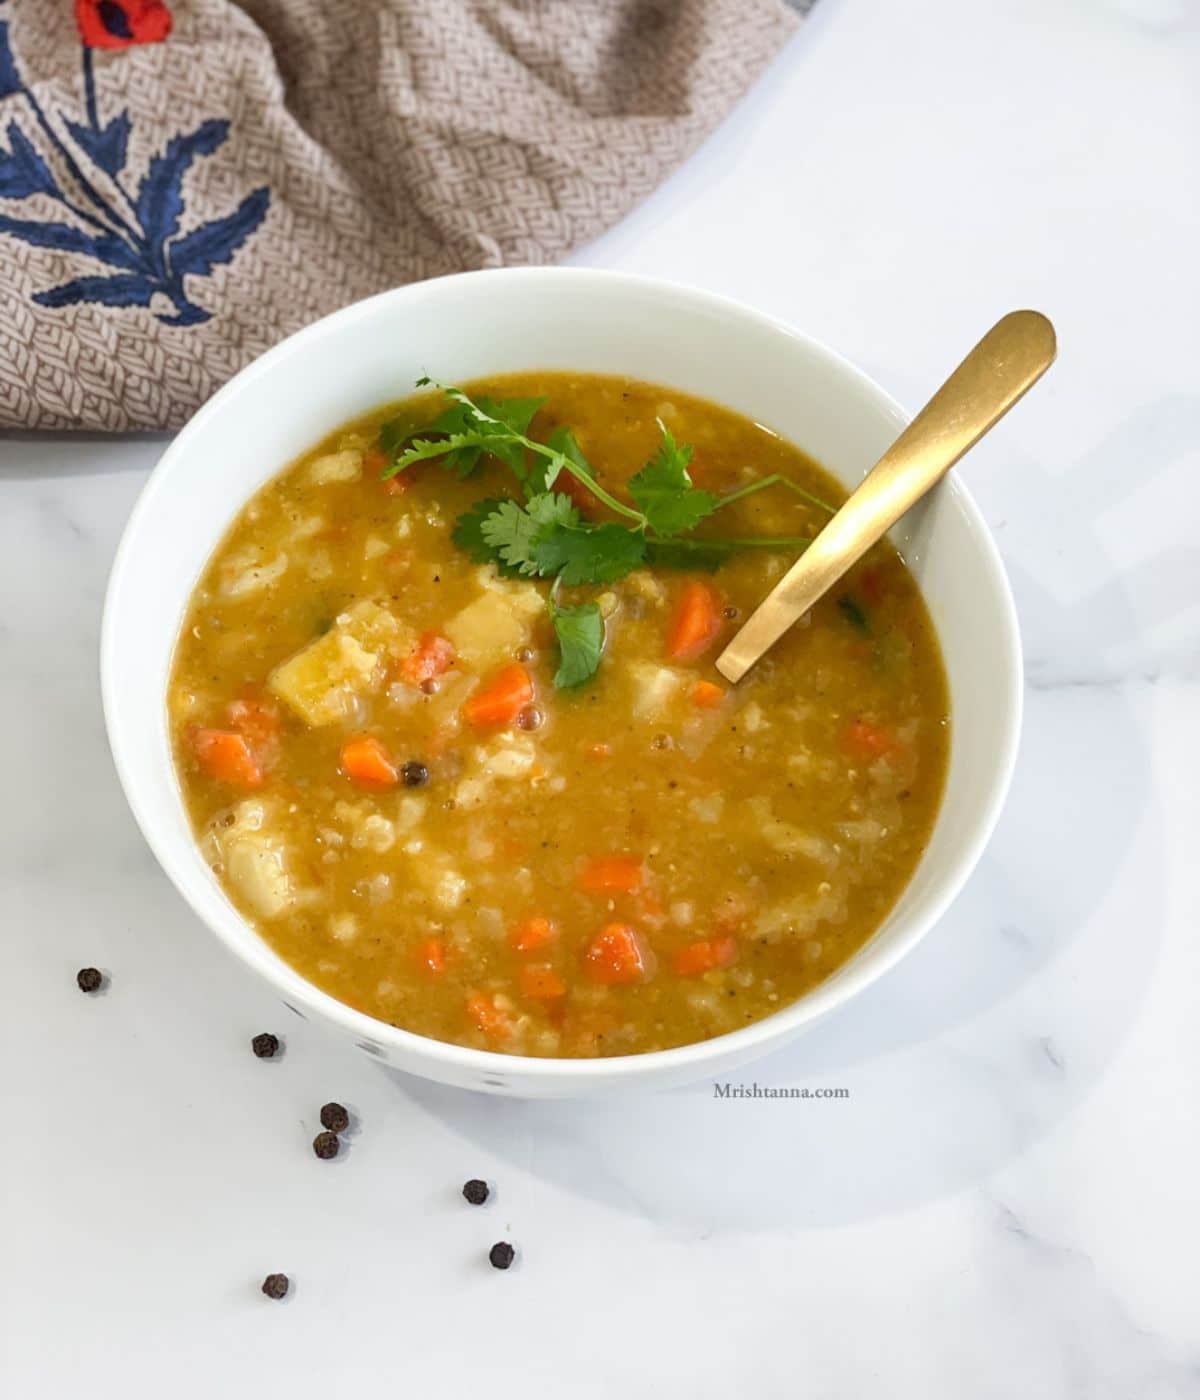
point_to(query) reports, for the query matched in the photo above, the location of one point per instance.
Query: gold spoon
(1009, 360)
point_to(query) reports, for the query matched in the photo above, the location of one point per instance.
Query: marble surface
(1007, 1203)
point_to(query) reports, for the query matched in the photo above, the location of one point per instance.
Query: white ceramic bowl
(481, 323)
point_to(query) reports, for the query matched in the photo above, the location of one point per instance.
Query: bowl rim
(846, 982)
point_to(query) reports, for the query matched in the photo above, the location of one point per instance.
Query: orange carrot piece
(431, 657)
(501, 699)
(366, 762)
(533, 933)
(617, 873)
(431, 955)
(541, 982)
(618, 957)
(865, 740)
(487, 1015)
(260, 724)
(705, 956)
(874, 585)
(227, 757)
(706, 695)
(696, 621)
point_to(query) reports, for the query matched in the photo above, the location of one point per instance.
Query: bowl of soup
(408, 674)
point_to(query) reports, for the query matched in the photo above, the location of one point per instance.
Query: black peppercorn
(326, 1145)
(475, 1191)
(730, 612)
(501, 1255)
(525, 655)
(90, 979)
(335, 1118)
(414, 773)
(275, 1285)
(265, 1046)
(530, 718)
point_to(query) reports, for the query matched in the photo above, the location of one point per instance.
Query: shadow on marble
(972, 1050)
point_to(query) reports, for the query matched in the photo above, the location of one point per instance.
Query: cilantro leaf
(514, 530)
(851, 610)
(584, 553)
(468, 535)
(580, 632)
(664, 492)
(545, 470)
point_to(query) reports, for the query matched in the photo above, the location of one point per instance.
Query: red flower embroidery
(120, 24)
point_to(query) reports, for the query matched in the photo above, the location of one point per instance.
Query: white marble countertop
(1007, 1204)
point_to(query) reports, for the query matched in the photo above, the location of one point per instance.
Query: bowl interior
(485, 323)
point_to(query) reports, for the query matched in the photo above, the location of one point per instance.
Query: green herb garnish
(851, 610)
(545, 536)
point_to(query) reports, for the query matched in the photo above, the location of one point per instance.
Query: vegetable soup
(449, 732)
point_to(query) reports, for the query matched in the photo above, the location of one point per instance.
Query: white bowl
(481, 323)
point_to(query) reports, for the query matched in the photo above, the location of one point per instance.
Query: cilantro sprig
(545, 535)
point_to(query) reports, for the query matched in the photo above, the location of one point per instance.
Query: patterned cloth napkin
(185, 182)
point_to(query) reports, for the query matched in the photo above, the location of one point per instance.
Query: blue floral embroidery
(135, 232)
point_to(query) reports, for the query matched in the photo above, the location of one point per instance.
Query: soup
(448, 729)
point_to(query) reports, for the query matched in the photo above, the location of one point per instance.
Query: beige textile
(185, 182)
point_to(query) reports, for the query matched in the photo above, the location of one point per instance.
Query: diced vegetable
(541, 982)
(256, 862)
(851, 609)
(874, 585)
(501, 699)
(615, 873)
(321, 682)
(490, 1019)
(261, 724)
(227, 757)
(496, 624)
(431, 956)
(430, 658)
(618, 956)
(695, 623)
(655, 689)
(866, 741)
(533, 933)
(707, 955)
(366, 762)
(706, 695)
(336, 466)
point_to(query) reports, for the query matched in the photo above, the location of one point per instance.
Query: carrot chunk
(366, 762)
(533, 933)
(490, 1019)
(696, 621)
(705, 956)
(227, 757)
(260, 724)
(431, 955)
(618, 957)
(866, 741)
(540, 982)
(501, 699)
(706, 695)
(619, 873)
(430, 658)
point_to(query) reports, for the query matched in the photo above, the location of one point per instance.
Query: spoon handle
(1009, 359)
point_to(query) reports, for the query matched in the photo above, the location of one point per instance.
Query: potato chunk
(336, 466)
(488, 631)
(321, 682)
(255, 861)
